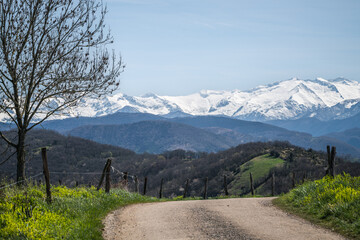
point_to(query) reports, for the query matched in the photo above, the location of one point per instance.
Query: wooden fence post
(251, 184)
(273, 184)
(328, 160)
(161, 187)
(145, 183)
(186, 188)
(205, 188)
(332, 165)
(107, 179)
(136, 184)
(46, 174)
(330, 170)
(225, 187)
(103, 174)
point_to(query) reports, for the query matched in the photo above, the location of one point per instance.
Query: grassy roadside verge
(74, 214)
(331, 203)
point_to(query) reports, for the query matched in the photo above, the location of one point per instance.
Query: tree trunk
(20, 151)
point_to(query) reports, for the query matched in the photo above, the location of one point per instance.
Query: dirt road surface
(241, 218)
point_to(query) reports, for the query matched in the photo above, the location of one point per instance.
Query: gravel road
(240, 218)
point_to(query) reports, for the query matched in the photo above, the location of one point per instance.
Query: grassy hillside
(259, 167)
(74, 213)
(333, 203)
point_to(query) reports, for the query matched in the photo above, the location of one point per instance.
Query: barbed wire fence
(132, 182)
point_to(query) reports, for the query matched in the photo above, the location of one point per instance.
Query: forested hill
(74, 159)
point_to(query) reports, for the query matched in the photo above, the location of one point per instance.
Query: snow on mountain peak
(288, 99)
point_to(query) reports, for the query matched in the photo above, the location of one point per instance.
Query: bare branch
(7, 140)
(8, 158)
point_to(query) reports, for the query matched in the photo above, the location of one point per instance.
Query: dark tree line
(70, 154)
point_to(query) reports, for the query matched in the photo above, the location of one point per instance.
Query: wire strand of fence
(21, 181)
(122, 173)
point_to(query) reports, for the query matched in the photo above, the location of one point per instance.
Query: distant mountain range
(317, 127)
(286, 100)
(307, 113)
(142, 132)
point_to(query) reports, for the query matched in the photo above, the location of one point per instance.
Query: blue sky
(174, 47)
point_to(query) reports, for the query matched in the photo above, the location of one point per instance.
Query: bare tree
(52, 54)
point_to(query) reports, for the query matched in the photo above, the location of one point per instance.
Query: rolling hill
(202, 133)
(155, 137)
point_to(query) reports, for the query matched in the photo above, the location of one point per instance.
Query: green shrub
(335, 202)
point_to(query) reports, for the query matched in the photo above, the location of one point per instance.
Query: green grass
(74, 214)
(332, 203)
(259, 168)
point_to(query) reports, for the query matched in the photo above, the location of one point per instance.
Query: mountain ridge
(200, 133)
(290, 99)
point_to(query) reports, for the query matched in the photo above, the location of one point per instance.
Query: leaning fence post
(205, 188)
(145, 183)
(161, 187)
(251, 184)
(225, 187)
(107, 180)
(46, 174)
(103, 174)
(186, 188)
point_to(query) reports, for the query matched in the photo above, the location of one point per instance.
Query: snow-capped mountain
(290, 99)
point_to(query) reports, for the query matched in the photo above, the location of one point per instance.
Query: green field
(259, 167)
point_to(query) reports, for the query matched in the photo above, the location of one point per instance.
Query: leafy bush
(334, 201)
(74, 213)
